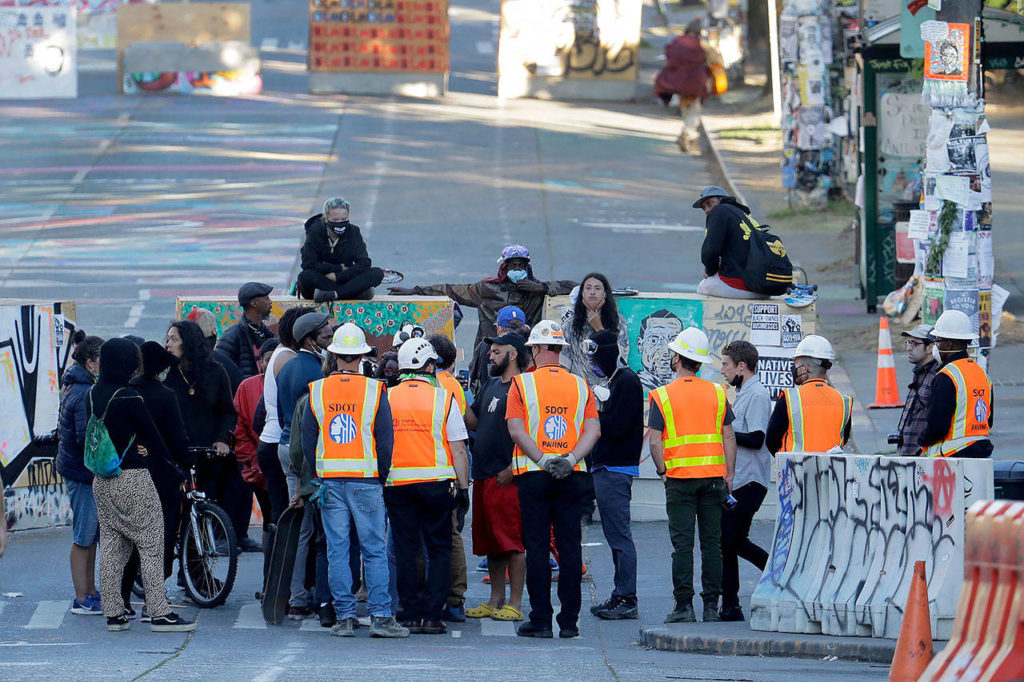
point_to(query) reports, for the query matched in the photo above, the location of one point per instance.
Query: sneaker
(324, 295)
(86, 607)
(603, 606)
(345, 628)
(117, 623)
(432, 627)
(621, 609)
(327, 616)
(455, 614)
(386, 626)
(682, 613)
(482, 566)
(129, 612)
(711, 614)
(532, 630)
(146, 618)
(731, 613)
(299, 613)
(249, 545)
(172, 622)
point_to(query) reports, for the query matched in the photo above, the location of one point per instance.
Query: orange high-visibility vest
(818, 415)
(420, 414)
(345, 405)
(555, 401)
(448, 382)
(973, 404)
(693, 409)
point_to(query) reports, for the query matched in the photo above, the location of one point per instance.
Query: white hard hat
(408, 331)
(547, 333)
(691, 343)
(954, 324)
(814, 346)
(415, 354)
(349, 339)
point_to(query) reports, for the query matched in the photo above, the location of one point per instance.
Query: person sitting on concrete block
(335, 264)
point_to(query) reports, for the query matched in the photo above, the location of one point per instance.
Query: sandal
(506, 612)
(482, 611)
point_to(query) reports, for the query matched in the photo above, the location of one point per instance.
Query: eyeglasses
(912, 344)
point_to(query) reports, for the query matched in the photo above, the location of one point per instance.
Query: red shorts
(497, 523)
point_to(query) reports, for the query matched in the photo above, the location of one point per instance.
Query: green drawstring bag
(101, 456)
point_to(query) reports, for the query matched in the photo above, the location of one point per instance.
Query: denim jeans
(614, 491)
(358, 501)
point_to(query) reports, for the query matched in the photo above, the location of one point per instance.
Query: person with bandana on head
(514, 284)
(334, 261)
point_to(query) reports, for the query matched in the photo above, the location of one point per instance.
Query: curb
(730, 184)
(663, 639)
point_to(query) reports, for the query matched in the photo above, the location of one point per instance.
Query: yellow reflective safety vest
(818, 415)
(345, 406)
(420, 411)
(693, 410)
(973, 405)
(555, 401)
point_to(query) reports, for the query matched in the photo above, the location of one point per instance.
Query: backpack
(769, 271)
(101, 456)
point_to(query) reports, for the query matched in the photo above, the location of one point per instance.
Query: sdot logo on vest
(980, 410)
(342, 429)
(555, 427)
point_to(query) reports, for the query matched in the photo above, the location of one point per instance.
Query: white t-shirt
(272, 428)
(456, 425)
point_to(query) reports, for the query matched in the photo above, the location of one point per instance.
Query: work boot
(731, 613)
(433, 627)
(324, 295)
(346, 628)
(603, 606)
(529, 629)
(711, 613)
(622, 608)
(386, 626)
(682, 613)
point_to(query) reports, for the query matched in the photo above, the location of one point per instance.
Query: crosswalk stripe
(497, 628)
(250, 617)
(48, 615)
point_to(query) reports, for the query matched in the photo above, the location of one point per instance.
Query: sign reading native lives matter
(379, 36)
(775, 369)
(765, 325)
(37, 52)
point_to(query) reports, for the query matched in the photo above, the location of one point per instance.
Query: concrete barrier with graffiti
(848, 531)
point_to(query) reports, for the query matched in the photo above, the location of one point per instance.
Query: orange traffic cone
(914, 646)
(886, 392)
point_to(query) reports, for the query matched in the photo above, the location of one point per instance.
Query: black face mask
(737, 380)
(339, 227)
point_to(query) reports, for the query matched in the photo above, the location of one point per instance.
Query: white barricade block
(848, 531)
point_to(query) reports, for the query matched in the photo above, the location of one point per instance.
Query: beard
(499, 369)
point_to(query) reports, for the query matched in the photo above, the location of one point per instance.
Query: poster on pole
(38, 52)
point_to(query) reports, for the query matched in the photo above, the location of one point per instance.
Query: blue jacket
(71, 424)
(292, 381)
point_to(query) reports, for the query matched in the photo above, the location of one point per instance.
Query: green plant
(947, 217)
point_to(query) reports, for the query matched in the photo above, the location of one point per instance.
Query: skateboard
(282, 563)
(625, 291)
(802, 295)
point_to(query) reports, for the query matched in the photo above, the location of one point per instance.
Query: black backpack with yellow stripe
(769, 271)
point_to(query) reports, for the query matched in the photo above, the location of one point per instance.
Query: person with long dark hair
(127, 503)
(208, 410)
(76, 382)
(593, 310)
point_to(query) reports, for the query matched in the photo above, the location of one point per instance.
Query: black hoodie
(622, 414)
(346, 259)
(726, 239)
(126, 415)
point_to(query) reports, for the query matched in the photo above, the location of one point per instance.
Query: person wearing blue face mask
(615, 463)
(514, 285)
(335, 264)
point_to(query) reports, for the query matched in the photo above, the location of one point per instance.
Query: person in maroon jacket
(686, 71)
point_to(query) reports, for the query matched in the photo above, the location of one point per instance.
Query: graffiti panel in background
(34, 351)
(38, 58)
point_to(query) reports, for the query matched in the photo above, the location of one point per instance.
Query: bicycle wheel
(209, 555)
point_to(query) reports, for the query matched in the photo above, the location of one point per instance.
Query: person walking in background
(335, 263)
(685, 74)
(510, 318)
(514, 284)
(242, 340)
(71, 423)
(615, 462)
(594, 310)
(914, 419)
(752, 409)
(127, 503)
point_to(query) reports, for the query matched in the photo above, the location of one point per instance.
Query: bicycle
(204, 537)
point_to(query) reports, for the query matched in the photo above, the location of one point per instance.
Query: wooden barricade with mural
(35, 349)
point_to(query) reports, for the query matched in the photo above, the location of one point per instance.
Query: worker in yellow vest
(553, 420)
(455, 604)
(429, 479)
(812, 416)
(693, 448)
(959, 415)
(347, 439)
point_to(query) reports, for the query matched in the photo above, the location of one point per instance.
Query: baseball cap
(251, 290)
(710, 191)
(509, 313)
(514, 339)
(514, 251)
(268, 346)
(309, 323)
(921, 331)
